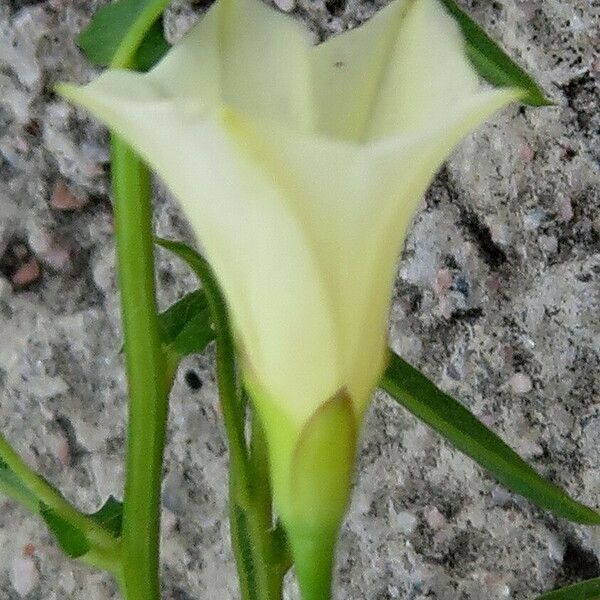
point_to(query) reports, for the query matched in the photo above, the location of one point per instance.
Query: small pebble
(533, 219)
(565, 210)
(500, 496)
(407, 522)
(58, 257)
(492, 283)
(5, 289)
(174, 495)
(20, 145)
(24, 575)
(67, 582)
(54, 252)
(520, 383)
(435, 519)
(442, 283)
(285, 5)
(528, 7)
(462, 285)
(526, 152)
(169, 521)
(549, 243)
(62, 451)
(47, 413)
(64, 199)
(28, 273)
(20, 251)
(487, 418)
(556, 548)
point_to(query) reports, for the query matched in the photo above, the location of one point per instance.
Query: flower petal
(347, 71)
(192, 68)
(327, 186)
(356, 203)
(265, 63)
(427, 73)
(253, 241)
(246, 55)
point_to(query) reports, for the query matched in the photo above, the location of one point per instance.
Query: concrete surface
(497, 300)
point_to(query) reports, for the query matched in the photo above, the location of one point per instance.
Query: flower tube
(300, 168)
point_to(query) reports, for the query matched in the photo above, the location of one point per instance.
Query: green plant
(303, 384)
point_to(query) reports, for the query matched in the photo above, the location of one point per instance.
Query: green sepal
(320, 483)
(322, 465)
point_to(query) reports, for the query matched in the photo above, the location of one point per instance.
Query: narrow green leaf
(113, 23)
(186, 326)
(459, 426)
(492, 63)
(110, 517)
(71, 539)
(152, 48)
(586, 590)
(13, 487)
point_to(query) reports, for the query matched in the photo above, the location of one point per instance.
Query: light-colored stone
(24, 575)
(500, 279)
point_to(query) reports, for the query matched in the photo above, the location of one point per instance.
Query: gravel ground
(497, 300)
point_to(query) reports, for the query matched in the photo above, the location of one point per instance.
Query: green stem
(249, 490)
(259, 551)
(146, 372)
(125, 53)
(259, 568)
(20, 490)
(260, 554)
(259, 464)
(230, 396)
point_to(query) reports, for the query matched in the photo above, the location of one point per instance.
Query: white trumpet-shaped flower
(300, 168)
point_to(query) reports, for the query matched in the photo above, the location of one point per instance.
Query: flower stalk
(300, 168)
(261, 554)
(146, 373)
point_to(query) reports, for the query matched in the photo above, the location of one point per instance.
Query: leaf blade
(111, 25)
(73, 542)
(586, 590)
(186, 326)
(492, 63)
(110, 516)
(152, 48)
(459, 426)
